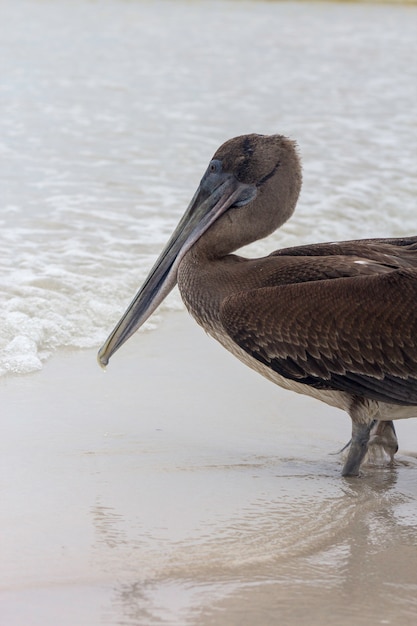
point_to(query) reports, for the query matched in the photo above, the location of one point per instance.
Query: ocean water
(111, 110)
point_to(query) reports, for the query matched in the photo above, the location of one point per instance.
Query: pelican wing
(354, 334)
(400, 250)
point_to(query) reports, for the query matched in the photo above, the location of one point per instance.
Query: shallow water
(179, 488)
(201, 504)
(111, 111)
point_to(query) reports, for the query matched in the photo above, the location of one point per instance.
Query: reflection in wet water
(339, 546)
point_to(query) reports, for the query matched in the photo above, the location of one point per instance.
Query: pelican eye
(214, 167)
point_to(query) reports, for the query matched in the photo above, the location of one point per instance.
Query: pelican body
(336, 321)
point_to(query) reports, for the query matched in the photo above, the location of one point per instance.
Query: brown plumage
(337, 321)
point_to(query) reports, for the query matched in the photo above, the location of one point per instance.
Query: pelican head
(249, 189)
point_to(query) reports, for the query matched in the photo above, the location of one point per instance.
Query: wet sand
(179, 487)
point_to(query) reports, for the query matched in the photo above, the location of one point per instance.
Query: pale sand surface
(179, 487)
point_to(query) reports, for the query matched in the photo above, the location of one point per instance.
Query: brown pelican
(336, 321)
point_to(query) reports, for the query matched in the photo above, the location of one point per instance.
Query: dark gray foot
(358, 448)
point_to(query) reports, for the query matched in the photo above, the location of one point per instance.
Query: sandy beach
(179, 487)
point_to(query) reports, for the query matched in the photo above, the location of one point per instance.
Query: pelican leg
(383, 441)
(358, 448)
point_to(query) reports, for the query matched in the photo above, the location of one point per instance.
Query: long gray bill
(216, 193)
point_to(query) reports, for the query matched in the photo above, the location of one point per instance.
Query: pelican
(335, 321)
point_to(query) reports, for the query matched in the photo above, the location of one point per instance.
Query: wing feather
(355, 334)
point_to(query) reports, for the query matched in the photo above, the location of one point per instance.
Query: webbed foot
(382, 444)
